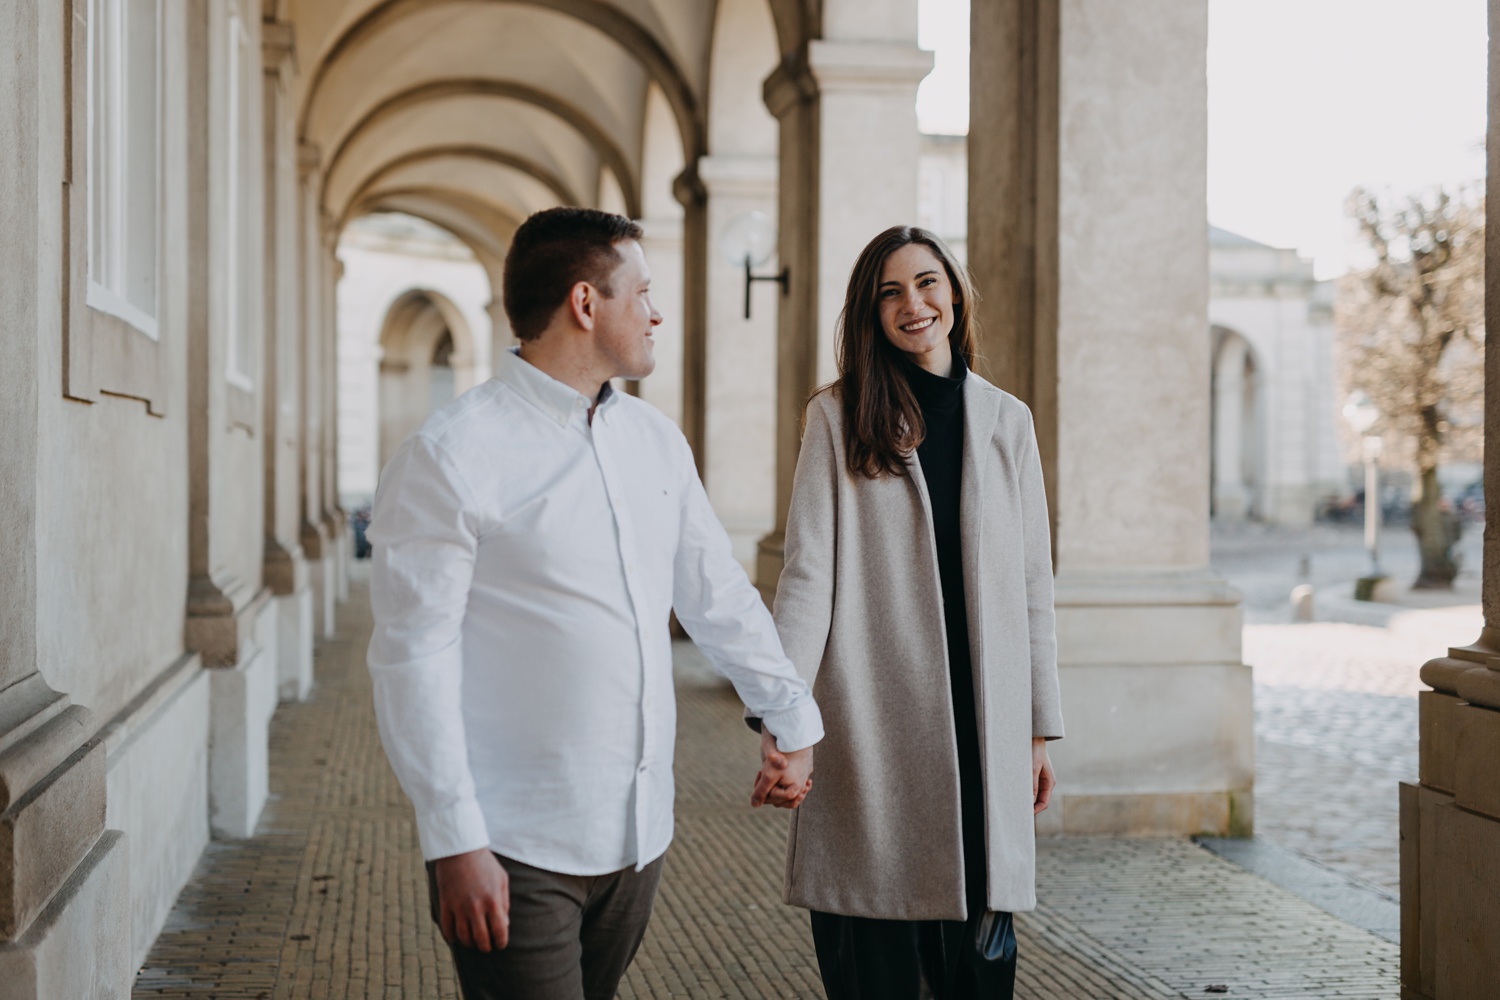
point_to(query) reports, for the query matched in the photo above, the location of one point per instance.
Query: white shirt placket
(600, 437)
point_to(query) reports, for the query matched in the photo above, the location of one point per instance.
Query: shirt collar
(556, 399)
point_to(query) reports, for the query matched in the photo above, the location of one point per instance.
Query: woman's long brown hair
(882, 421)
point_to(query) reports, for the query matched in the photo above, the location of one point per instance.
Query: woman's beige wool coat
(859, 608)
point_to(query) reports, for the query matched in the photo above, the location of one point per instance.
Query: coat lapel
(981, 414)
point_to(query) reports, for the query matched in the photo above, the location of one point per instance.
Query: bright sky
(1306, 100)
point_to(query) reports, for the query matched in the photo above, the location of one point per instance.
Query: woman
(917, 598)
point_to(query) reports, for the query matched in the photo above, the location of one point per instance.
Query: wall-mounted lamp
(749, 241)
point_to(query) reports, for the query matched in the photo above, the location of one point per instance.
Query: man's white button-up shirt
(525, 562)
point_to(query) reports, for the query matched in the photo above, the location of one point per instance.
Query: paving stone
(328, 900)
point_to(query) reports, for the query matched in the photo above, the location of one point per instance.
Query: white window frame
(124, 160)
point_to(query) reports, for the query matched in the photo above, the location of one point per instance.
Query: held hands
(785, 777)
(1043, 781)
(474, 900)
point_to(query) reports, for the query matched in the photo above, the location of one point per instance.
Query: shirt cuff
(458, 829)
(795, 728)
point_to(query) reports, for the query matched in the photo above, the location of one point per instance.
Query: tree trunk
(1437, 531)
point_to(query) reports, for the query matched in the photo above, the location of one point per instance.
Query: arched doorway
(1238, 457)
(425, 362)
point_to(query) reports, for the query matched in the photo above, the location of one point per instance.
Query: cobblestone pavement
(1335, 703)
(329, 901)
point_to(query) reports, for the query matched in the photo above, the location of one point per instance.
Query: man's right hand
(474, 900)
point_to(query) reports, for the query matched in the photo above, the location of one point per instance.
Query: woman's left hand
(1042, 778)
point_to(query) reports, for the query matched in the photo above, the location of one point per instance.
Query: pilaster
(740, 364)
(284, 565)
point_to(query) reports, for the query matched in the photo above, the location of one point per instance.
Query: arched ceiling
(475, 113)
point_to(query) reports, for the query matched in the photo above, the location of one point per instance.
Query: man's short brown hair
(553, 251)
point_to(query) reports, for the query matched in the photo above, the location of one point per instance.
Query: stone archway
(1238, 458)
(426, 360)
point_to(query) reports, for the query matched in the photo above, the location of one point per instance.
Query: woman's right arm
(804, 594)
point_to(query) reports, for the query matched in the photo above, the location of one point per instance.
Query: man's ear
(582, 300)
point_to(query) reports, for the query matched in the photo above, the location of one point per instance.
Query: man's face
(623, 324)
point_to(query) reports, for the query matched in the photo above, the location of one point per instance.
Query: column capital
(687, 187)
(309, 158)
(278, 47)
(746, 176)
(790, 84)
(867, 65)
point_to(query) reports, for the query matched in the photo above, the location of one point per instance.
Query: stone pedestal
(77, 947)
(1160, 733)
(243, 697)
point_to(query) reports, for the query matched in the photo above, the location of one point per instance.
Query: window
(124, 140)
(241, 263)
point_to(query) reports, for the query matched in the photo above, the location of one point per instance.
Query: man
(529, 543)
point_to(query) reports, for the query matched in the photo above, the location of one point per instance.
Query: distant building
(1276, 452)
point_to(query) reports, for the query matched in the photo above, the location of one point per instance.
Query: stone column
(285, 566)
(846, 104)
(63, 877)
(740, 464)
(663, 248)
(1088, 243)
(229, 620)
(1229, 430)
(316, 542)
(1450, 820)
(688, 189)
(335, 520)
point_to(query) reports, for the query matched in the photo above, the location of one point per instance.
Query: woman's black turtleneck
(941, 457)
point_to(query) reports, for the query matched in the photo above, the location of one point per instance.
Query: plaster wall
(158, 792)
(111, 481)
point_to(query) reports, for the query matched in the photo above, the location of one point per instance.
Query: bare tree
(1411, 335)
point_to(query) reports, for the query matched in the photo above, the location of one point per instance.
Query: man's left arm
(723, 612)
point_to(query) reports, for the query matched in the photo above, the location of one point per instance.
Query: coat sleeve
(1046, 701)
(805, 592)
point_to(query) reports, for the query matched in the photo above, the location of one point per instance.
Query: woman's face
(916, 306)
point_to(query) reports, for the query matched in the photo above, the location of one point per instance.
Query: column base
(243, 699)
(322, 566)
(294, 635)
(157, 758)
(1159, 708)
(79, 946)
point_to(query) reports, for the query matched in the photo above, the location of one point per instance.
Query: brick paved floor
(328, 900)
